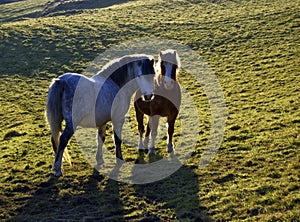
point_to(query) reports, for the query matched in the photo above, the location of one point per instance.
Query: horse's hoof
(100, 162)
(146, 143)
(172, 155)
(120, 162)
(151, 151)
(97, 176)
(141, 146)
(99, 166)
(58, 173)
(57, 169)
(170, 148)
(143, 151)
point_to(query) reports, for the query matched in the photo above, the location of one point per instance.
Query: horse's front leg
(63, 141)
(153, 125)
(140, 119)
(147, 135)
(171, 123)
(101, 139)
(117, 128)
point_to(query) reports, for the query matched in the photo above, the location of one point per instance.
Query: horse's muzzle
(148, 98)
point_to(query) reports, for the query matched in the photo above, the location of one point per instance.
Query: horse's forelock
(170, 56)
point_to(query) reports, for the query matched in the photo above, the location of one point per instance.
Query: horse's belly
(88, 121)
(102, 117)
(103, 106)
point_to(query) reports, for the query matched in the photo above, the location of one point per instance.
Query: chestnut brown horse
(166, 102)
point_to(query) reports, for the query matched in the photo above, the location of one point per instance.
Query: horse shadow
(178, 192)
(96, 199)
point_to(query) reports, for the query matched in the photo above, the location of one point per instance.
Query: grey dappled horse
(92, 102)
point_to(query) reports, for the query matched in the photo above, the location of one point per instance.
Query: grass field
(253, 49)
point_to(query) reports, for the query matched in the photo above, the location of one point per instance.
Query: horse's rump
(54, 115)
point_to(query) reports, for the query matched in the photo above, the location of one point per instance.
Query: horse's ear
(175, 52)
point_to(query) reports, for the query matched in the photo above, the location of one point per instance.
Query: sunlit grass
(253, 49)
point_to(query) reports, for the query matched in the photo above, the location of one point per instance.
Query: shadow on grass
(178, 192)
(73, 7)
(60, 199)
(9, 1)
(96, 198)
(59, 8)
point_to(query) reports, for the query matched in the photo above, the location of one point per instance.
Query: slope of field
(25, 9)
(15, 10)
(253, 48)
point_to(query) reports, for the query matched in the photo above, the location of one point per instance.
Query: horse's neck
(98, 78)
(158, 81)
(121, 76)
(126, 84)
(114, 72)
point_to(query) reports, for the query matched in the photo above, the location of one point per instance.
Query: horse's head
(168, 68)
(144, 70)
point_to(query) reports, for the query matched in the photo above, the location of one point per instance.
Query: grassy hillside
(253, 48)
(16, 10)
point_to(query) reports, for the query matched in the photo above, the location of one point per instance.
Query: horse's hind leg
(63, 141)
(55, 134)
(54, 146)
(101, 139)
(153, 120)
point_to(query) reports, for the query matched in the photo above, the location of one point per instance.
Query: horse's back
(88, 101)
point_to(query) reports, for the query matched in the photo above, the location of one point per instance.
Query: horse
(93, 102)
(166, 102)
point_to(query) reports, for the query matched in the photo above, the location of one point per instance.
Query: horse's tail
(54, 113)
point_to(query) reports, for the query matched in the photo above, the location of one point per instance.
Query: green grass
(21, 9)
(252, 47)
(26, 9)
